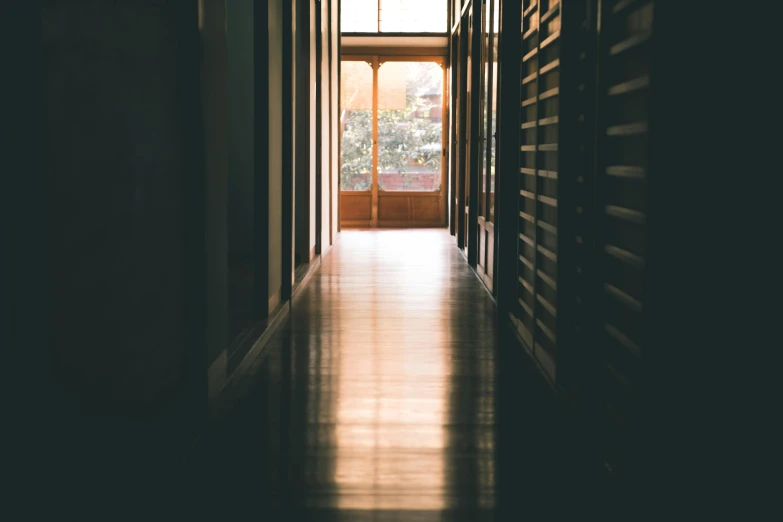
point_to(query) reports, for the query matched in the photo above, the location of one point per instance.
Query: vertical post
(453, 146)
(319, 135)
(374, 215)
(462, 129)
(474, 162)
(289, 113)
(443, 200)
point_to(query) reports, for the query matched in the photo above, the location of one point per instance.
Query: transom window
(394, 16)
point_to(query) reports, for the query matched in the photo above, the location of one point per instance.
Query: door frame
(486, 259)
(376, 61)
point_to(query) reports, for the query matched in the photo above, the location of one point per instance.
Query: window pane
(494, 87)
(411, 16)
(359, 16)
(410, 126)
(356, 126)
(484, 143)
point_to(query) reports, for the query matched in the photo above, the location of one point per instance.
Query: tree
(409, 140)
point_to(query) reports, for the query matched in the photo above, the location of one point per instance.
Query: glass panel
(410, 126)
(493, 141)
(485, 136)
(356, 126)
(413, 16)
(359, 16)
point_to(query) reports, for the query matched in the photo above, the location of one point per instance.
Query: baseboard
(310, 270)
(254, 354)
(237, 372)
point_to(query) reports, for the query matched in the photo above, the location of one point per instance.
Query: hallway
(377, 400)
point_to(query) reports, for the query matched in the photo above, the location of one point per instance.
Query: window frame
(447, 6)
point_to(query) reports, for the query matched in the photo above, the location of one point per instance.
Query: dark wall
(305, 147)
(241, 166)
(115, 146)
(123, 274)
(23, 264)
(276, 33)
(215, 116)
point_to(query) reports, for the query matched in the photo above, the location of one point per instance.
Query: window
(356, 125)
(408, 123)
(394, 16)
(410, 126)
(359, 16)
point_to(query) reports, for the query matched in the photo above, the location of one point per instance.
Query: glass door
(468, 171)
(488, 144)
(357, 140)
(392, 150)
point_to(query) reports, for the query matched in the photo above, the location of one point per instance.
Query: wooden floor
(383, 398)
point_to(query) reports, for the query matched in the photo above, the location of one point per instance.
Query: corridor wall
(586, 262)
(148, 215)
(275, 157)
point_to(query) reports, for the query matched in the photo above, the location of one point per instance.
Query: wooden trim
(396, 57)
(487, 281)
(358, 58)
(392, 223)
(227, 373)
(395, 223)
(381, 34)
(452, 136)
(374, 185)
(338, 82)
(417, 193)
(397, 193)
(400, 51)
(444, 139)
(356, 224)
(312, 267)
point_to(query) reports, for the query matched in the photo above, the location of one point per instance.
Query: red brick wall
(426, 181)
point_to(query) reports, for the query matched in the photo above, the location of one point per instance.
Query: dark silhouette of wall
(115, 340)
(115, 148)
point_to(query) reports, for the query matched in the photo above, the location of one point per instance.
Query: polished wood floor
(389, 394)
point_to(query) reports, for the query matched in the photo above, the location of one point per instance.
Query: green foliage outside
(406, 142)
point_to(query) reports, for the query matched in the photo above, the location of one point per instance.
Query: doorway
(392, 157)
